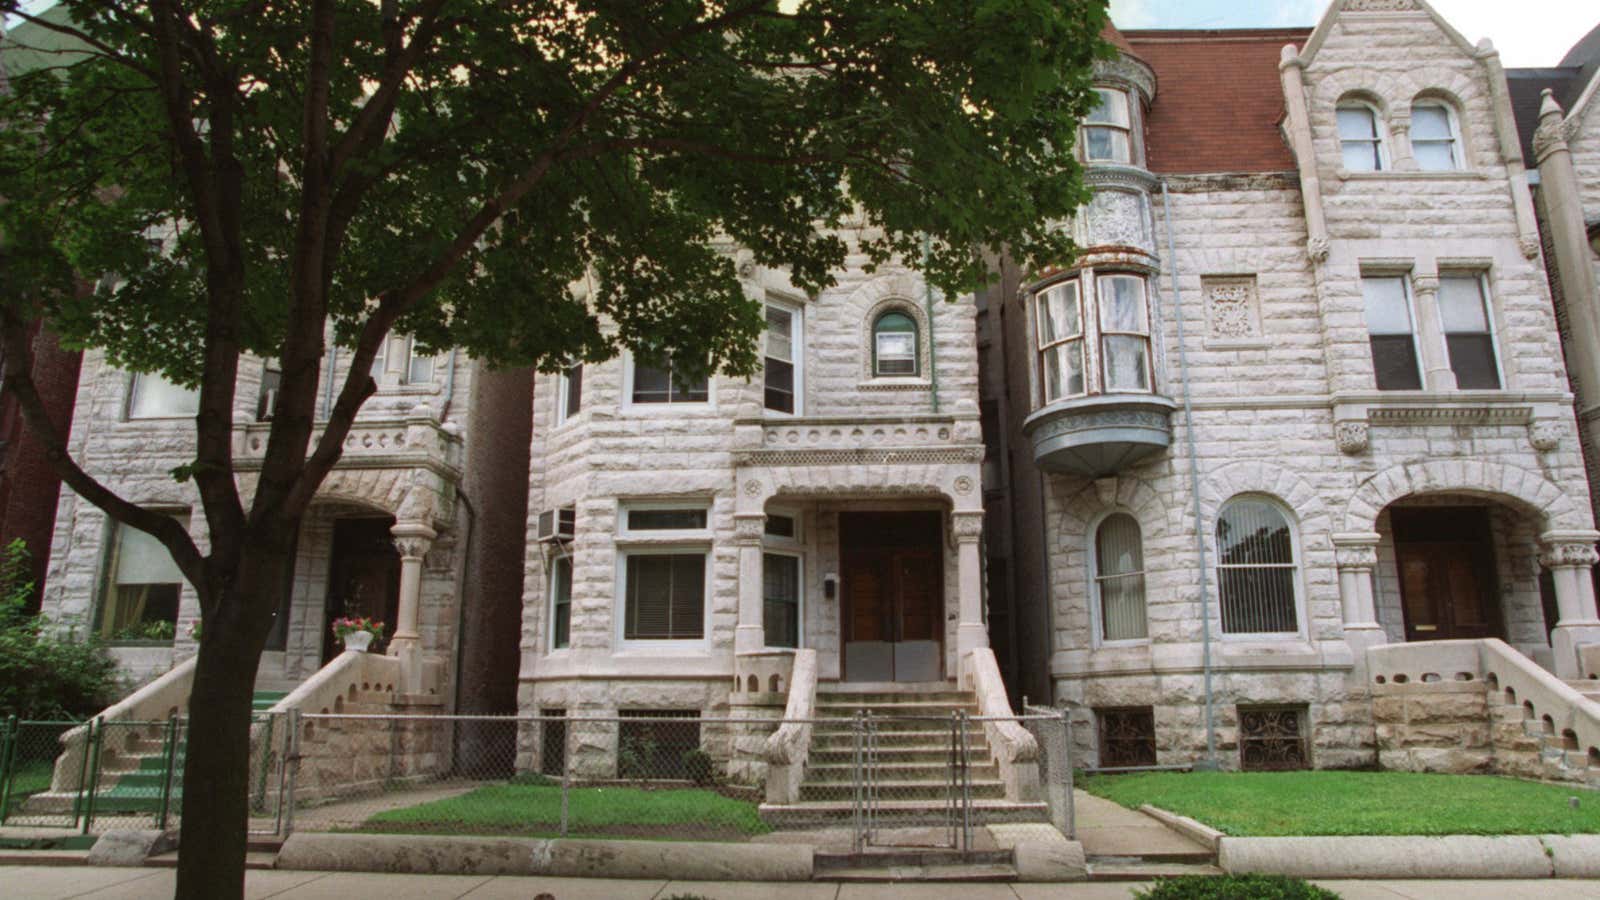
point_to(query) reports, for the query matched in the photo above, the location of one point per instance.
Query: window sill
(895, 384)
(1413, 175)
(647, 649)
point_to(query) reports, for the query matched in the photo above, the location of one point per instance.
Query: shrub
(1235, 887)
(697, 767)
(636, 758)
(44, 674)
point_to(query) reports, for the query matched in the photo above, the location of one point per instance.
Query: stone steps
(836, 813)
(925, 791)
(831, 773)
(921, 754)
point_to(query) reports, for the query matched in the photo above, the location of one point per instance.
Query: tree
(263, 176)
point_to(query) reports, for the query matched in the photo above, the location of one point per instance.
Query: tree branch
(19, 384)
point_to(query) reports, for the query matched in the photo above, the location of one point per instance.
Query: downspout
(449, 386)
(327, 390)
(933, 345)
(461, 587)
(1194, 485)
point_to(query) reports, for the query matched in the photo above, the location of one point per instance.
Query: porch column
(1356, 555)
(971, 633)
(1436, 372)
(1569, 555)
(750, 636)
(413, 540)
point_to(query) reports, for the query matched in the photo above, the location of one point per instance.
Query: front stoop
(913, 760)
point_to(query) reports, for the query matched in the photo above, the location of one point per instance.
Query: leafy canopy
(648, 139)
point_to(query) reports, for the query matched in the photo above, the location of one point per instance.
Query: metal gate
(887, 811)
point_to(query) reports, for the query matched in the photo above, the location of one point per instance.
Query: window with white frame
(664, 556)
(1096, 341)
(152, 396)
(1124, 333)
(1468, 332)
(1119, 578)
(781, 580)
(1061, 341)
(142, 586)
(1256, 568)
(1435, 138)
(655, 384)
(1361, 137)
(267, 395)
(781, 374)
(397, 355)
(569, 393)
(561, 600)
(1391, 332)
(895, 345)
(1107, 131)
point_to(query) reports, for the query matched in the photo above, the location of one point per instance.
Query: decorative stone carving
(1233, 310)
(1529, 245)
(1118, 218)
(1544, 434)
(966, 526)
(1355, 557)
(1548, 138)
(1317, 249)
(748, 527)
(1554, 556)
(752, 488)
(412, 544)
(1380, 5)
(1351, 437)
(963, 485)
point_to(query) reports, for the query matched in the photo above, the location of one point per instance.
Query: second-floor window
(1107, 130)
(267, 398)
(1468, 335)
(894, 345)
(569, 397)
(408, 366)
(652, 384)
(1433, 138)
(1094, 342)
(152, 396)
(142, 587)
(1361, 138)
(1391, 333)
(781, 358)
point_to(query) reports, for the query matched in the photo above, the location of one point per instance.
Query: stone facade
(1260, 338)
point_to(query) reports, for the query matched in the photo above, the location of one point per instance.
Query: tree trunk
(216, 770)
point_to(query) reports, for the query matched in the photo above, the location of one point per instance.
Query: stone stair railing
(157, 701)
(1557, 724)
(788, 748)
(1013, 745)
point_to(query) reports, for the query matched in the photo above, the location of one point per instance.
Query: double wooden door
(892, 606)
(1445, 559)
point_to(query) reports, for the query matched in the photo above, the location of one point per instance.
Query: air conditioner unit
(556, 524)
(269, 401)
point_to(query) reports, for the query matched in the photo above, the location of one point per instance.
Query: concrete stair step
(918, 772)
(900, 790)
(934, 755)
(1120, 870)
(923, 729)
(833, 813)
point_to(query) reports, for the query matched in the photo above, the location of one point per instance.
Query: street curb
(432, 855)
(1454, 856)
(1199, 832)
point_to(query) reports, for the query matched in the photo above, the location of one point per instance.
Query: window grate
(1272, 738)
(1127, 736)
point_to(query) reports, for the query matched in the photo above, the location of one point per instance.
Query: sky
(1528, 33)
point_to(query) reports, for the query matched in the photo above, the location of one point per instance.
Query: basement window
(1273, 738)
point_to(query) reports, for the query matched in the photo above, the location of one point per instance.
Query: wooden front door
(892, 576)
(1447, 580)
(363, 577)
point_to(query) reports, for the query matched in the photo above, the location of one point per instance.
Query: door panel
(892, 596)
(1447, 581)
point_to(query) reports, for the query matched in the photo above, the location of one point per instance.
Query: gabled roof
(1220, 99)
(1319, 34)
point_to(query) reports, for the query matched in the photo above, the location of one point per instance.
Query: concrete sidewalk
(58, 883)
(1108, 829)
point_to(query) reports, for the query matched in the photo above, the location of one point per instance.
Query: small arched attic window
(1435, 135)
(1361, 136)
(894, 345)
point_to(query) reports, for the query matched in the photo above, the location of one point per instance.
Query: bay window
(663, 566)
(1108, 128)
(1094, 341)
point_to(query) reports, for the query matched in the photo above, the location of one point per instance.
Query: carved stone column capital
(966, 527)
(1356, 550)
(412, 539)
(748, 528)
(1425, 283)
(1559, 554)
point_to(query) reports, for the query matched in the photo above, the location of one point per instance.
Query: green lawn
(535, 811)
(31, 778)
(1274, 804)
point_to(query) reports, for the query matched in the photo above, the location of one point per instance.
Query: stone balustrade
(417, 440)
(161, 699)
(1014, 746)
(788, 748)
(758, 440)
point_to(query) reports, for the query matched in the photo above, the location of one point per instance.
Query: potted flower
(357, 633)
(194, 630)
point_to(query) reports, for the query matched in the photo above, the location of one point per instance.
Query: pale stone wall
(612, 452)
(135, 459)
(1270, 380)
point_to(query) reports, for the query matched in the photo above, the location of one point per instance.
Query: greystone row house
(1287, 453)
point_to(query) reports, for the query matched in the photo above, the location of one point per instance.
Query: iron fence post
(91, 784)
(858, 794)
(291, 766)
(1066, 771)
(566, 769)
(169, 755)
(8, 752)
(966, 785)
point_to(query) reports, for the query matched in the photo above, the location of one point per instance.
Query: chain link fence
(879, 779)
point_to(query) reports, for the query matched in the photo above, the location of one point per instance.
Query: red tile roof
(1218, 99)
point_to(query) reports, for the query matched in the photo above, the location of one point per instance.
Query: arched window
(1256, 568)
(1119, 578)
(894, 345)
(1361, 137)
(1435, 141)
